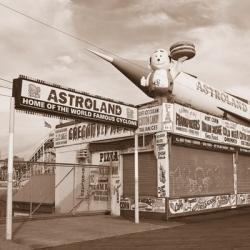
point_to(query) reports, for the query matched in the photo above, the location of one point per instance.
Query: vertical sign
(162, 156)
(167, 116)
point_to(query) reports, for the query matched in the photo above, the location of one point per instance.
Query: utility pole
(10, 170)
(136, 180)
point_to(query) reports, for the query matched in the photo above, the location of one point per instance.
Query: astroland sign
(40, 97)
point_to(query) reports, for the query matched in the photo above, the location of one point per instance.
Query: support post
(44, 151)
(74, 184)
(235, 164)
(10, 170)
(136, 180)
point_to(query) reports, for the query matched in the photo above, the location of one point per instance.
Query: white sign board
(192, 123)
(161, 138)
(37, 96)
(154, 119)
(149, 119)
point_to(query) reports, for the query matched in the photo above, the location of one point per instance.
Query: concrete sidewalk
(60, 231)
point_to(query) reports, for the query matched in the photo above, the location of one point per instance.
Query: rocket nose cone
(103, 56)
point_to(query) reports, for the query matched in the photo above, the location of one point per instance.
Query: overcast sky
(132, 29)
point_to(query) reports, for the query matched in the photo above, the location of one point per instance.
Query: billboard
(192, 123)
(50, 99)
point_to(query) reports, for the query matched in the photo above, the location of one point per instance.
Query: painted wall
(64, 184)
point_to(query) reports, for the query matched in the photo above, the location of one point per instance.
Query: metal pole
(74, 175)
(44, 151)
(10, 170)
(136, 181)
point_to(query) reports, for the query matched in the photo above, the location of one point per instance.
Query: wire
(65, 33)
(5, 79)
(5, 87)
(6, 95)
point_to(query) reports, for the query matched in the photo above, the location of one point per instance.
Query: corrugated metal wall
(147, 174)
(200, 172)
(243, 174)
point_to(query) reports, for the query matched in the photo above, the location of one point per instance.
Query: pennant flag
(47, 125)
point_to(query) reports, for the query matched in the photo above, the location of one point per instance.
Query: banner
(40, 97)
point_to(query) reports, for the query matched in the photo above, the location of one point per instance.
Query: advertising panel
(38, 96)
(157, 118)
(94, 184)
(231, 132)
(211, 128)
(161, 138)
(86, 132)
(197, 204)
(149, 119)
(146, 203)
(187, 121)
(162, 156)
(243, 199)
(192, 123)
(167, 116)
(111, 160)
(244, 136)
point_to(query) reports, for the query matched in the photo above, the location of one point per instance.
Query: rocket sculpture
(156, 80)
(164, 81)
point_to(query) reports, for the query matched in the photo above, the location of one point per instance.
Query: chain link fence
(55, 188)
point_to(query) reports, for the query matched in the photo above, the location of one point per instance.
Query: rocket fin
(235, 117)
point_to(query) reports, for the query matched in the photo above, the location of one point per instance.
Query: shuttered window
(200, 172)
(147, 174)
(243, 174)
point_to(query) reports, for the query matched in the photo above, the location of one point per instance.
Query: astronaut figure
(159, 63)
(164, 71)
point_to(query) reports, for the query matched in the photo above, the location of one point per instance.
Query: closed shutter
(243, 174)
(200, 172)
(147, 174)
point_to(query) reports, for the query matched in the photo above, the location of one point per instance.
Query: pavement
(62, 231)
(221, 230)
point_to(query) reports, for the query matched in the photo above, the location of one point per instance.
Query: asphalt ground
(222, 230)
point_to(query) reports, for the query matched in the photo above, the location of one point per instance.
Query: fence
(55, 188)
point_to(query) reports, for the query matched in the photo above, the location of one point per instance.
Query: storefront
(189, 163)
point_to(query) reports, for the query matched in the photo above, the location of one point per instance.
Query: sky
(132, 29)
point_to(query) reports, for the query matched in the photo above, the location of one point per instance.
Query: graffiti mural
(147, 203)
(200, 173)
(185, 205)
